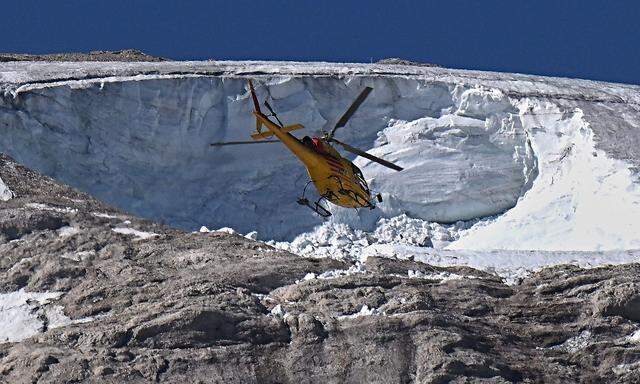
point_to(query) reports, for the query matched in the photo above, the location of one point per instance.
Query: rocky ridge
(127, 55)
(147, 303)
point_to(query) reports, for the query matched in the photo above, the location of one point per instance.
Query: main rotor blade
(266, 103)
(364, 154)
(352, 109)
(221, 143)
(256, 105)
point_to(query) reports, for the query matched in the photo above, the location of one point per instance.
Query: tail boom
(303, 152)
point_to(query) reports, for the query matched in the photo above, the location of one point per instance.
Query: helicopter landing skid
(315, 207)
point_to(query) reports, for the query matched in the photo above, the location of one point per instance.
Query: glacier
(493, 161)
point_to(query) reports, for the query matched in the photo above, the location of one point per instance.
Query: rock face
(127, 55)
(147, 303)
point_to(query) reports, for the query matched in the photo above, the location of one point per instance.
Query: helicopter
(336, 179)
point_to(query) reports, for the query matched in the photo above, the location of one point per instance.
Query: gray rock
(220, 308)
(127, 55)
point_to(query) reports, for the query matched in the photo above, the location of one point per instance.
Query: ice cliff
(551, 162)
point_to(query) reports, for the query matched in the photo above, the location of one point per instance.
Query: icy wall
(551, 163)
(144, 146)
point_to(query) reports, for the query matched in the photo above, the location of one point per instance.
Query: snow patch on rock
(228, 230)
(104, 215)
(24, 314)
(364, 311)
(142, 235)
(511, 265)
(45, 207)
(634, 337)
(576, 343)
(355, 269)
(5, 193)
(67, 231)
(79, 256)
(442, 276)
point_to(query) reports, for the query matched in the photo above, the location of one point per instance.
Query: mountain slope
(99, 303)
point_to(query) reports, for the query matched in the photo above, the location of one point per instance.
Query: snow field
(581, 200)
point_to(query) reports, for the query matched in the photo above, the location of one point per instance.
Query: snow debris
(278, 311)
(79, 256)
(634, 337)
(58, 319)
(340, 240)
(261, 296)
(512, 266)
(17, 298)
(228, 230)
(104, 215)
(5, 193)
(364, 311)
(622, 369)
(253, 235)
(139, 234)
(45, 207)
(67, 231)
(575, 343)
(307, 277)
(22, 263)
(18, 323)
(357, 268)
(442, 276)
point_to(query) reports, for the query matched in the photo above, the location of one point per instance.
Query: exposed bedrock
(143, 146)
(98, 303)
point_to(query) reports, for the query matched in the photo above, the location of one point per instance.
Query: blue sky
(585, 39)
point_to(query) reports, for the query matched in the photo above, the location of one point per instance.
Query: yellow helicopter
(337, 179)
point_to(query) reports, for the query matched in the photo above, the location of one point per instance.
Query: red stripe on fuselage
(332, 159)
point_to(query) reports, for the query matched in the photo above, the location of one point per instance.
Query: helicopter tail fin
(265, 135)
